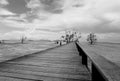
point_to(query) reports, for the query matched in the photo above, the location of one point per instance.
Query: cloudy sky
(47, 19)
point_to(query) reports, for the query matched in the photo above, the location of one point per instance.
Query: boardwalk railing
(101, 68)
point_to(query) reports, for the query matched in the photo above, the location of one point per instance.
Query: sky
(48, 19)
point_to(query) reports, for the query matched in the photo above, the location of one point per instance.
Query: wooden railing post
(101, 69)
(84, 56)
(96, 74)
(78, 49)
(84, 59)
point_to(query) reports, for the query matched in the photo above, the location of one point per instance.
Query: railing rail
(101, 68)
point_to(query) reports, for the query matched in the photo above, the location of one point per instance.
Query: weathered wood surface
(58, 64)
(109, 70)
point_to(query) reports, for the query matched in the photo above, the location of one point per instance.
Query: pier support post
(96, 74)
(79, 49)
(84, 59)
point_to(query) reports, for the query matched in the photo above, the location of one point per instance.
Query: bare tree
(77, 36)
(72, 36)
(91, 38)
(2, 41)
(23, 38)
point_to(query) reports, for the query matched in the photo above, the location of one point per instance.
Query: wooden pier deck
(59, 64)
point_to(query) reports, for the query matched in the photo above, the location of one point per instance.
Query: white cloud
(99, 16)
(4, 2)
(33, 4)
(5, 12)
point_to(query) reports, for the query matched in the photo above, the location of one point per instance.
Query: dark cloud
(30, 18)
(17, 6)
(53, 6)
(41, 7)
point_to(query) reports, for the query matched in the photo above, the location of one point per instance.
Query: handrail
(101, 68)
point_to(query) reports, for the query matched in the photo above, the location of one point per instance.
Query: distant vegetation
(69, 36)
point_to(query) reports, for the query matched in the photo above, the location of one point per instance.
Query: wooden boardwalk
(58, 64)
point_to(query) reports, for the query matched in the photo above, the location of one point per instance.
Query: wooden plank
(50, 62)
(48, 65)
(60, 70)
(38, 78)
(5, 78)
(58, 64)
(80, 76)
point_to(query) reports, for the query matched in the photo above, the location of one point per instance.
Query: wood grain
(58, 64)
